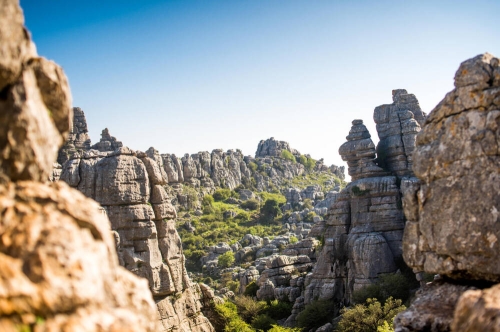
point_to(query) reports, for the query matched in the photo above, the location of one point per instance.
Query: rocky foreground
(428, 193)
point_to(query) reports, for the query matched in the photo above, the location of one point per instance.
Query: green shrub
(251, 289)
(307, 204)
(315, 314)
(248, 308)
(228, 315)
(394, 285)
(310, 217)
(293, 239)
(285, 154)
(262, 322)
(221, 194)
(251, 204)
(368, 317)
(279, 309)
(253, 166)
(233, 286)
(270, 209)
(226, 259)
(308, 162)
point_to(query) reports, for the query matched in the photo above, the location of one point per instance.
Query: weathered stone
(432, 310)
(455, 230)
(107, 142)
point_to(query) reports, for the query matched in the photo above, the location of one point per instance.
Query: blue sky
(188, 76)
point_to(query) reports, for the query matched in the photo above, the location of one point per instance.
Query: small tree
(370, 316)
(226, 259)
(271, 209)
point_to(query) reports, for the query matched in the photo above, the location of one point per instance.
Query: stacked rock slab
(129, 185)
(78, 138)
(58, 265)
(453, 226)
(363, 230)
(107, 142)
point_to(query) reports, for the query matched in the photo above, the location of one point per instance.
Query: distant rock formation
(78, 138)
(58, 265)
(273, 148)
(452, 206)
(107, 142)
(363, 230)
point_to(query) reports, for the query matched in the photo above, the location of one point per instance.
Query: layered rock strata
(129, 185)
(78, 139)
(58, 265)
(452, 208)
(363, 229)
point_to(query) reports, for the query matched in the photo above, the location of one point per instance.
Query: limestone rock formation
(107, 142)
(78, 139)
(273, 148)
(58, 265)
(452, 208)
(129, 185)
(363, 229)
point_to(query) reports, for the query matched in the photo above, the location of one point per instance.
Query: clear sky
(188, 76)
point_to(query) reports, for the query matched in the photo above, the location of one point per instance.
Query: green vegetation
(226, 259)
(245, 314)
(317, 178)
(251, 204)
(253, 166)
(308, 162)
(223, 194)
(277, 328)
(315, 314)
(370, 316)
(394, 285)
(285, 154)
(251, 289)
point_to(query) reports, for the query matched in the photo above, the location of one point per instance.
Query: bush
(228, 314)
(221, 194)
(309, 217)
(251, 289)
(253, 166)
(251, 204)
(279, 309)
(285, 154)
(226, 259)
(262, 322)
(233, 286)
(248, 308)
(368, 317)
(271, 209)
(308, 162)
(315, 314)
(307, 204)
(293, 239)
(393, 285)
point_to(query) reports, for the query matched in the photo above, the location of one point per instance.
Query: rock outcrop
(78, 139)
(107, 142)
(452, 208)
(273, 148)
(129, 186)
(363, 229)
(58, 265)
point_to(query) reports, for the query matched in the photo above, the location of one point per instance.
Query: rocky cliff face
(363, 230)
(58, 265)
(129, 186)
(452, 206)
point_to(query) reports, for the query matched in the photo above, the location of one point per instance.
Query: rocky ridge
(59, 268)
(452, 230)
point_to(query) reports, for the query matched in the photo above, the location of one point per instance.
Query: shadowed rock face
(452, 206)
(58, 265)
